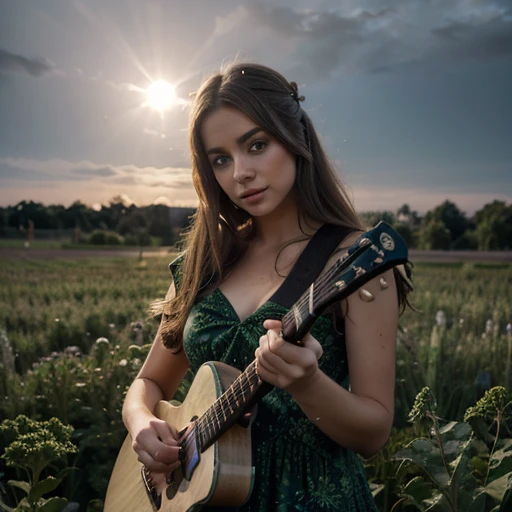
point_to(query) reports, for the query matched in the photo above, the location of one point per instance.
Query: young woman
(265, 187)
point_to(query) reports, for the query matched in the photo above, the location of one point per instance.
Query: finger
(275, 325)
(153, 465)
(303, 356)
(311, 343)
(266, 372)
(275, 364)
(158, 451)
(164, 433)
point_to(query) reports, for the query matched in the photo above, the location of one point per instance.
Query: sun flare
(161, 95)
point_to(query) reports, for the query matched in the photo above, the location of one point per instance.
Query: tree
(435, 236)
(494, 226)
(452, 218)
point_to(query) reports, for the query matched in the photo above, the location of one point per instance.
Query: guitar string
(232, 395)
(228, 396)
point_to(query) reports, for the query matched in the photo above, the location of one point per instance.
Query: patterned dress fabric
(297, 467)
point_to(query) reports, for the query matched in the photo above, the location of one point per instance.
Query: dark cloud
(389, 39)
(486, 40)
(35, 67)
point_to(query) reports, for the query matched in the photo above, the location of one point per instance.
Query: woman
(265, 186)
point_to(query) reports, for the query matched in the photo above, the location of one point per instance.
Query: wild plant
(460, 466)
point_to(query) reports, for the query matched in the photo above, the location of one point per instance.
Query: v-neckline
(233, 310)
(297, 266)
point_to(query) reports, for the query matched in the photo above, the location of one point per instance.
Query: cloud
(376, 38)
(492, 38)
(10, 62)
(58, 169)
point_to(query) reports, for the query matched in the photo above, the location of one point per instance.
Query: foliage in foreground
(32, 446)
(460, 466)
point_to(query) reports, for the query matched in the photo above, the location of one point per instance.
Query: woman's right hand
(156, 446)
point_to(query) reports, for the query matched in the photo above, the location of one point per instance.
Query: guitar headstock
(376, 251)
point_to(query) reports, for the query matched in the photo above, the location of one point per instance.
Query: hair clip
(294, 93)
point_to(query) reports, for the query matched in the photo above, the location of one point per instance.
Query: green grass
(40, 244)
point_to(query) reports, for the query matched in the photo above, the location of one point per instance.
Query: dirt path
(415, 255)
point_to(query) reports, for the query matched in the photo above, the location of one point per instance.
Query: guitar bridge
(154, 498)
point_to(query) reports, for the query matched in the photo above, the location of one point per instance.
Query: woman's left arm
(359, 419)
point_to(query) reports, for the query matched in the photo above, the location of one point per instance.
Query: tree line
(444, 227)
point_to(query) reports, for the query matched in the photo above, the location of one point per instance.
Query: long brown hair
(220, 231)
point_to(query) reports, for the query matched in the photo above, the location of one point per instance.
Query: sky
(412, 98)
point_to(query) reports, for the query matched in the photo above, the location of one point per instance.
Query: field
(74, 332)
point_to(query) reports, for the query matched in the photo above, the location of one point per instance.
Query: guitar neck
(378, 250)
(242, 395)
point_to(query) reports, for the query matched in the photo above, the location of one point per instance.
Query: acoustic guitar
(213, 428)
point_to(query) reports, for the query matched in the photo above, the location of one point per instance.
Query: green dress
(297, 467)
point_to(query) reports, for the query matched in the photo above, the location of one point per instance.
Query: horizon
(411, 99)
(127, 201)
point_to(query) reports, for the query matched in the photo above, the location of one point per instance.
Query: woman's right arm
(158, 379)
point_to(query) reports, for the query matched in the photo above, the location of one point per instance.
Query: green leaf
(43, 487)
(427, 457)
(448, 427)
(54, 505)
(506, 504)
(461, 470)
(419, 489)
(471, 502)
(501, 461)
(438, 503)
(497, 488)
(20, 484)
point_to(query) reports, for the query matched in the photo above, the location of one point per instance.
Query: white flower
(440, 318)
(123, 362)
(488, 326)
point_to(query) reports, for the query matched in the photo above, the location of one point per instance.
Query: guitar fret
(222, 402)
(311, 288)
(229, 395)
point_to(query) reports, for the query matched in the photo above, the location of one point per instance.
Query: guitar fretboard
(363, 260)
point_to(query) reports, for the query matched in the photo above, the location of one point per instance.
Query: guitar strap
(310, 264)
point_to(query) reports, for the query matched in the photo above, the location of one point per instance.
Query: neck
(283, 225)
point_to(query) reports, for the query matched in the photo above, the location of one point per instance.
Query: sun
(161, 95)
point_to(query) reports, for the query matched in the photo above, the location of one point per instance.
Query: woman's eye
(258, 145)
(220, 161)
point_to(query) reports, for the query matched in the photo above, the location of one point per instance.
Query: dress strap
(310, 264)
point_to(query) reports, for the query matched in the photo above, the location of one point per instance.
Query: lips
(251, 192)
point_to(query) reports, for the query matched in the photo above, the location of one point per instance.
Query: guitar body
(224, 473)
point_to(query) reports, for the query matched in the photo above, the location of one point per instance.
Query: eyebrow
(243, 138)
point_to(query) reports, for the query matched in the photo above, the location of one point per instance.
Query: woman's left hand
(283, 364)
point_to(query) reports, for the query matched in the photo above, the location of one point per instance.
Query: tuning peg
(366, 295)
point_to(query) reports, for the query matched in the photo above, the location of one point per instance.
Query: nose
(242, 170)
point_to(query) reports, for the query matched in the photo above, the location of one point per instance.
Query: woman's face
(254, 169)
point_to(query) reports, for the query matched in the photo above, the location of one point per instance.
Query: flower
(440, 318)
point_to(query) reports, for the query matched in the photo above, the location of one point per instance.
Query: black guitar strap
(310, 264)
